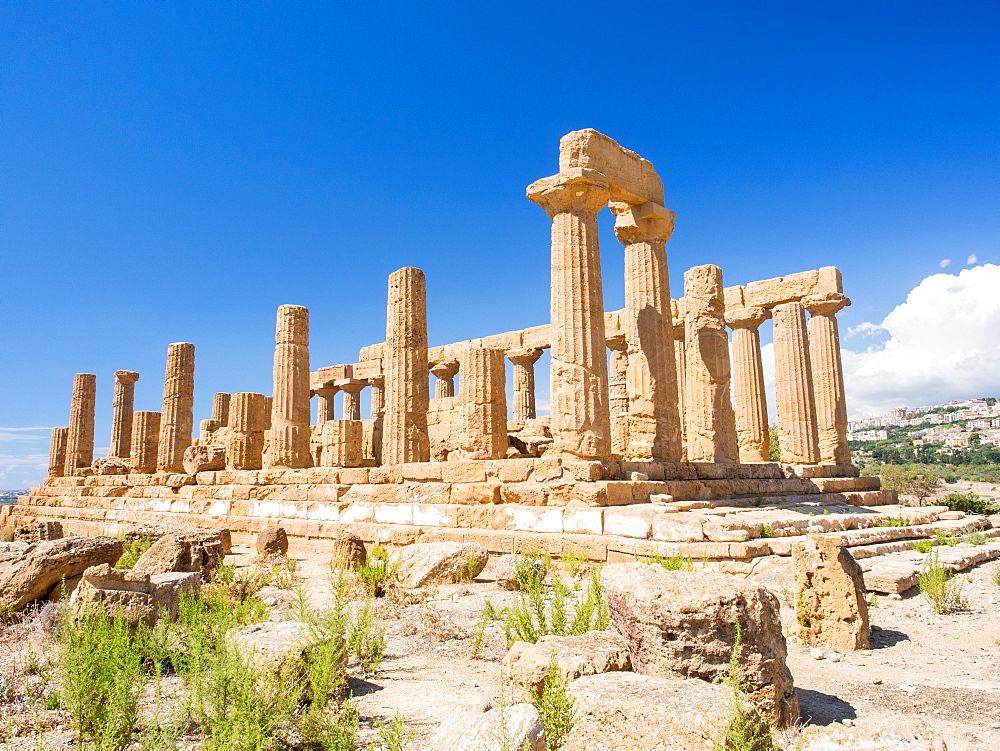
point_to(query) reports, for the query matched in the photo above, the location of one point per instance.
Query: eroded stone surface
(830, 599)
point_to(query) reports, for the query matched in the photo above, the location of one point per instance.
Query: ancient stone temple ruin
(657, 441)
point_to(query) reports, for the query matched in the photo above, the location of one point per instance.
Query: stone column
(177, 418)
(207, 427)
(341, 443)
(290, 414)
(794, 390)
(352, 400)
(679, 363)
(524, 382)
(373, 436)
(711, 424)
(247, 423)
(828, 376)
(618, 395)
(220, 409)
(654, 420)
(580, 417)
(748, 384)
(445, 372)
(145, 442)
(484, 403)
(324, 404)
(57, 452)
(121, 421)
(404, 436)
(80, 438)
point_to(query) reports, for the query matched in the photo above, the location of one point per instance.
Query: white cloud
(971, 260)
(944, 262)
(866, 329)
(944, 343)
(17, 472)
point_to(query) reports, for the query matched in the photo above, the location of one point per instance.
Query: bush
(747, 729)
(377, 571)
(970, 503)
(555, 706)
(941, 588)
(555, 610)
(924, 546)
(133, 549)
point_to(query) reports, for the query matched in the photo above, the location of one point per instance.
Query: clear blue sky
(175, 171)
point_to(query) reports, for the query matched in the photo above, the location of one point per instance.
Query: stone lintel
(631, 178)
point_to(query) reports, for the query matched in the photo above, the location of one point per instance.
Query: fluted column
(794, 390)
(618, 395)
(445, 373)
(579, 415)
(373, 437)
(145, 442)
(679, 364)
(325, 403)
(748, 384)
(484, 403)
(711, 424)
(57, 452)
(524, 382)
(828, 376)
(121, 420)
(206, 428)
(247, 423)
(352, 400)
(177, 418)
(654, 420)
(80, 438)
(404, 429)
(290, 415)
(220, 408)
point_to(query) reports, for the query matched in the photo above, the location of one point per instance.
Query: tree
(974, 439)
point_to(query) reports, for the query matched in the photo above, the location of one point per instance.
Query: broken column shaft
(80, 438)
(145, 441)
(290, 414)
(177, 418)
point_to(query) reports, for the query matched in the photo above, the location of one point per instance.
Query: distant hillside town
(957, 424)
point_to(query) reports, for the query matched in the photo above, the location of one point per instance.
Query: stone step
(896, 573)
(884, 548)
(877, 535)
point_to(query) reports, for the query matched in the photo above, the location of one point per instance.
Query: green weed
(377, 571)
(747, 729)
(941, 588)
(555, 610)
(555, 705)
(133, 549)
(976, 538)
(923, 546)
(679, 562)
(393, 735)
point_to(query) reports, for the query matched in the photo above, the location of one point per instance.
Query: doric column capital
(616, 343)
(326, 391)
(644, 222)
(577, 189)
(746, 318)
(445, 369)
(126, 376)
(527, 356)
(825, 304)
(351, 385)
(376, 380)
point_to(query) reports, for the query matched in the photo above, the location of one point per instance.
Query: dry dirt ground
(944, 668)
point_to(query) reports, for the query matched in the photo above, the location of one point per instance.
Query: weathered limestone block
(272, 541)
(31, 573)
(247, 422)
(290, 406)
(404, 427)
(119, 593)
(898, 733)
(632, 712)
(580, 417)
(654, 419)
(793, 387)
(524, 382)
(427, 563)
(121, 423)
(524, 668)
(484, 404)
(182, 552)
(207, 428)
(748, 384)
(683, 624)
(348, 551)
(177, 416)
(38, 531)
(631, 178)
(145, 442)
(220, 409)
(57, 452)
(828, 376)
(206, 458)
(710, 424)
(830, 600)
(111, 465)
(476, 730)
(340, 443)
(80, 439)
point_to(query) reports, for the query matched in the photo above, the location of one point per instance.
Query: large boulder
(348, 551)
(206, 458)
(427, 563)
(272, 541)
(38, 531)
(524, 668)
(631, 712)
(32, 573)
(830, 597)
(890, 734)
(518, 726)
(188, 552)
(684, 624)
(133, 595)
(154, 532)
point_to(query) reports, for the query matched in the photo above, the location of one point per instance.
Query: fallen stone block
(38, 531)
(427, 563)
(200, 552)
(348, 551)
(208, 458)
(272, 541)
(892, 734)
(830, 601)
(518, 726)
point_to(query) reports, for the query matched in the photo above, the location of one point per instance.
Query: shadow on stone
(361, 687)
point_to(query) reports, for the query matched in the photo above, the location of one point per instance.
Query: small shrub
(747, 729)
(976, 538)
(467, 572)
(679, 562)
(530, 570)
(996, 575)
(7, 534)
(576, 561)
(479, 630)
(873, 601)
(767, 531)
(970, 503)
(393, 735)
(377, 571)
(923, 546)
(133, 549)
(556, 610)
(893, 521)
(941, 588)
(555, 706)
